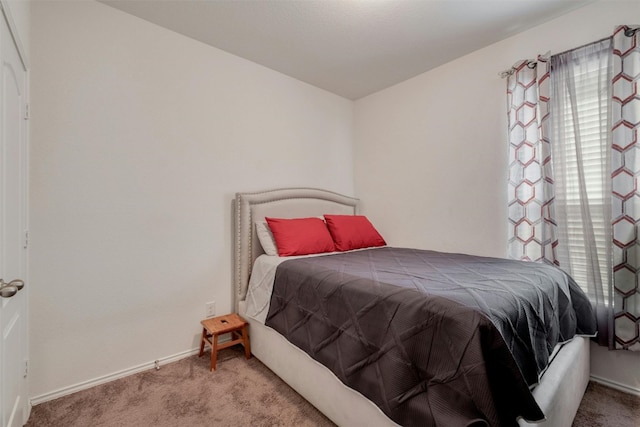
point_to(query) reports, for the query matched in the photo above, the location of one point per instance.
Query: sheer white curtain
(580, 98)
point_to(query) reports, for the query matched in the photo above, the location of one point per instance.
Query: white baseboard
(184, 354)
(110, 377)
(614, 384)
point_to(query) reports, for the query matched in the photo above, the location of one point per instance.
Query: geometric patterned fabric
(532, 229)
(626, 194)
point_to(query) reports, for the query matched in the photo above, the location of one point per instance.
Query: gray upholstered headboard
(280, 203)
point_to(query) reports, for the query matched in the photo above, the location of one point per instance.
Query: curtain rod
(629, 32)
(531, 63)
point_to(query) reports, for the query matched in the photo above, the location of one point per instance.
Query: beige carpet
(242, 393)
(604, 406)
(239, 393)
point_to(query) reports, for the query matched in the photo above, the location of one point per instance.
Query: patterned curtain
(626, 194)
(532, 230)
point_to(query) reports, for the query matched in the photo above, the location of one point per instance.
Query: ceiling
(349, 47)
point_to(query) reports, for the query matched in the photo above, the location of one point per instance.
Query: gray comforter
(434, 339)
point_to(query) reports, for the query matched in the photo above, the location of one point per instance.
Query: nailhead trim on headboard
(245, 204)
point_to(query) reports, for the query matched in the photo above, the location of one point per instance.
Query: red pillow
(353, 232)
(300, 236)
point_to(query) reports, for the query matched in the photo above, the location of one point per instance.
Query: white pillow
(266, 238)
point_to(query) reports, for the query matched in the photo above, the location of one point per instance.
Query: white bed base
(341, 404)
(558, 394)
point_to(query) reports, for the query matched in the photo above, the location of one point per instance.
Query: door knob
(7, 290)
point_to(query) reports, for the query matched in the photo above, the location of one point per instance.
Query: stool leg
(214, 351)
(202, 339)
(245, 338)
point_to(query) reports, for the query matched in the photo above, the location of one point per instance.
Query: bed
(558, 393)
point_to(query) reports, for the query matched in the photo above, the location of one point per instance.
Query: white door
(13, 221)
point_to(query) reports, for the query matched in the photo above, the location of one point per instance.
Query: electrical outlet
(210, 308)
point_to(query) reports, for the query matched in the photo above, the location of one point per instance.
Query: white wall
(140, 138)
(619, 369)
(431, 152)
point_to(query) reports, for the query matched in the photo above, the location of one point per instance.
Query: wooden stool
(215, 326)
